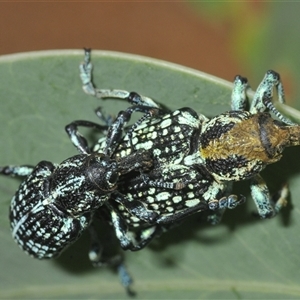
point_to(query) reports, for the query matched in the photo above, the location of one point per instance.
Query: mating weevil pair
(176, 164)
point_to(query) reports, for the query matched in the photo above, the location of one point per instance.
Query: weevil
(56, 202)
(197, 159)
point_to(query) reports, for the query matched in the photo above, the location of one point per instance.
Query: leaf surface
(241, 258)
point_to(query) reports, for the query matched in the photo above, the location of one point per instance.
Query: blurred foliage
(262, 36)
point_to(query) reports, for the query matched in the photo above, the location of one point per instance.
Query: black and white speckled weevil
(56, 202)
(197, 159)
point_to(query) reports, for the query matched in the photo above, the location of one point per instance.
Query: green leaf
(243, 257)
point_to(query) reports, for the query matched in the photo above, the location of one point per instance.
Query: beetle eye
(113, 178)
